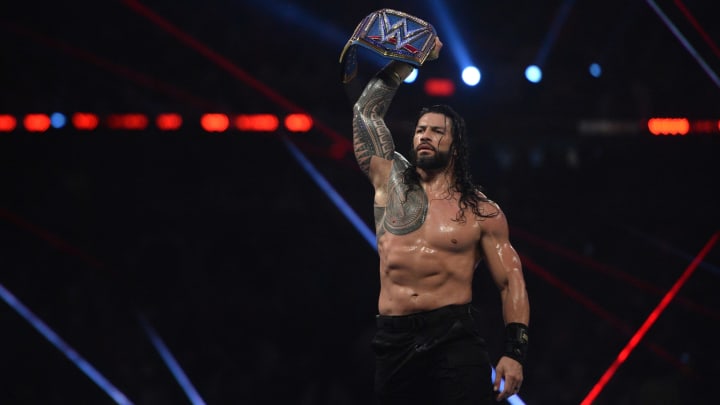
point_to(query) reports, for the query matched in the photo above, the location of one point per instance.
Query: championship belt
(392, 34)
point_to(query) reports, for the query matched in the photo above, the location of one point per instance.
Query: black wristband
(516, 341)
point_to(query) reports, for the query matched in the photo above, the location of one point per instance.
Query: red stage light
(127, 121)
(7, 123)
(669, 126)
(215, 122)
(36, 122)
(438, 87)
(257, 122)
(298, 122)
(168, 121)
(85, 121)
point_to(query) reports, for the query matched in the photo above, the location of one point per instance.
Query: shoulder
(493, 221)
(487, 206)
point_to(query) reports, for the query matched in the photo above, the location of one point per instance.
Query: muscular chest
(434, 221)
(442, 229)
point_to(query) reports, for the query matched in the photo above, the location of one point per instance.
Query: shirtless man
(434, 227)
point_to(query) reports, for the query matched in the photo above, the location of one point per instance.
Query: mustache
(424, 144)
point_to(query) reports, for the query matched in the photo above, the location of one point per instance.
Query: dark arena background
(182, 220)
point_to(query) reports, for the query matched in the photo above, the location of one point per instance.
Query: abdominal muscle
(420, 274)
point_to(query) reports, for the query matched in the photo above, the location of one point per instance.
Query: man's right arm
(371, 136)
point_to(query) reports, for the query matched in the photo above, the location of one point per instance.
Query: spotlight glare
(471, 75)
(412, 77)
(533, 73)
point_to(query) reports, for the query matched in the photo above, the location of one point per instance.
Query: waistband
(422, 319)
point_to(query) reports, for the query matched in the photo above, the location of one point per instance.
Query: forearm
(515, 302)
(371, 136)
(516, 312)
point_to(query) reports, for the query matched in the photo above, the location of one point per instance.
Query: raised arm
(372, 141)
(371, 136)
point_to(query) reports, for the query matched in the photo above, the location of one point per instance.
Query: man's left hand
(512, 372)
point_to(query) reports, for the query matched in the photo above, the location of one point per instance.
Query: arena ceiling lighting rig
(300, 123)
(209, 122)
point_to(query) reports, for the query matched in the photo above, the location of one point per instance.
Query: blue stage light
(471, 75)
(533, 73)
(58, 120)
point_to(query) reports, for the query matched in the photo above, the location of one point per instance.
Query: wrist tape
(516, 341)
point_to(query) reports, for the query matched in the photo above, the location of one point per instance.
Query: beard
(437, 161)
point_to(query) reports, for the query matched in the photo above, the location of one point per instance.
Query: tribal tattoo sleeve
(371, 136)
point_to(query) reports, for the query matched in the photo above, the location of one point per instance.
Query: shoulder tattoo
(406, 210)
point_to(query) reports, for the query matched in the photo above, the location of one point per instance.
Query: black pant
(435, 357)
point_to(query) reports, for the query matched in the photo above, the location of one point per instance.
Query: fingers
(438, 47)
(510, 371)
(435, 52)
(510, 388)
(508, 391)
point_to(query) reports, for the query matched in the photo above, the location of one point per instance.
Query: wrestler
(434, 227)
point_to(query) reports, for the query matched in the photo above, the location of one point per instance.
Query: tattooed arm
(373, 144)
(372, 141)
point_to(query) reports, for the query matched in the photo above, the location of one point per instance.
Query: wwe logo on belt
(398, 34)
(391, 34)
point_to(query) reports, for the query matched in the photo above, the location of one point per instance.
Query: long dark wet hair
(459, 154)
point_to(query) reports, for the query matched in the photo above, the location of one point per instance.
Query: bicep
(501, 257)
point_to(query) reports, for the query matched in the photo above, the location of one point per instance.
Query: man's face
(431, 142)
